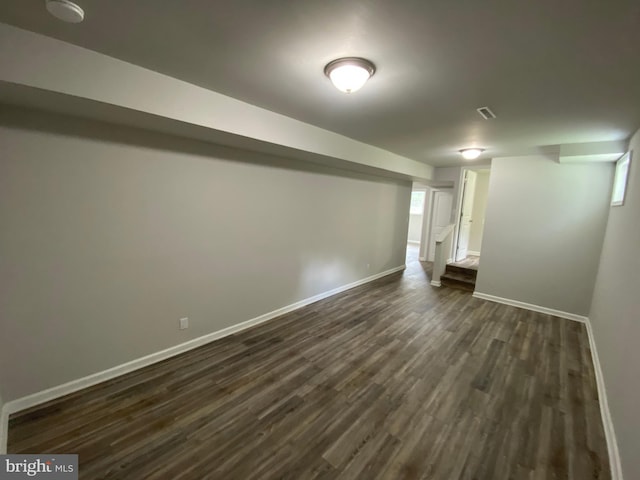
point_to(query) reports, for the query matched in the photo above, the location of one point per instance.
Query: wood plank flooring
(391, 380)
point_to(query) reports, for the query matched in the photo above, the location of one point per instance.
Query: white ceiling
(553, 72)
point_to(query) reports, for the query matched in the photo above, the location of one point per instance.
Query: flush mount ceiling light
(65, 10)
(349, 74)
(471, 153)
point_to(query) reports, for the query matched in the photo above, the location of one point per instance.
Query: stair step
(470, 272)
(459, 277)
(459, 283)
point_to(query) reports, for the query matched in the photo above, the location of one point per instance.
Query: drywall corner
(4, 427)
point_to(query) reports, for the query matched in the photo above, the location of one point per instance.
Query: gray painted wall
(543, 232)
(3, 430)
(110, 235)
(615, 317)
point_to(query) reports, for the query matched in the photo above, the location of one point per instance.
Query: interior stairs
(462, 278)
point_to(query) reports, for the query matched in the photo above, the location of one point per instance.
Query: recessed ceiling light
(65, 10)
(349, 74)
(471, 153)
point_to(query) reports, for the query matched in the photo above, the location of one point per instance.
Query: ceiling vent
(486, 113)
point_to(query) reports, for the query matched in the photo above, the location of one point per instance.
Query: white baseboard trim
(93, 379)
(436, 284)
(473, 252)
(607, 422)
(530, 306)
(414, 242)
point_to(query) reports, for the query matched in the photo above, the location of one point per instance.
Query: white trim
(436, 284)
(530, 306)
(607, 422)
(413, 242)
(93, 379)
(473, 252)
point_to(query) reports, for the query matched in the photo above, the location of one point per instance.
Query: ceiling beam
(67, 77)
(592, 152)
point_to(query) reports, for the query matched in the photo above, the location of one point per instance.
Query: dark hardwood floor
(391, 380)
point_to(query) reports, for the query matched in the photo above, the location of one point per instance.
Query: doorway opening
(416, 215)
(461, 269)
(430, 211)
(439, 207)
(474, 189)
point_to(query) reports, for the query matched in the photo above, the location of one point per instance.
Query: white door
(440, 217)
(464, 228)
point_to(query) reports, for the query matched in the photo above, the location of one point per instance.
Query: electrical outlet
(184, 323)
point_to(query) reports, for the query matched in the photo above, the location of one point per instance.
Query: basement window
(417, 203)
(620, 180)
